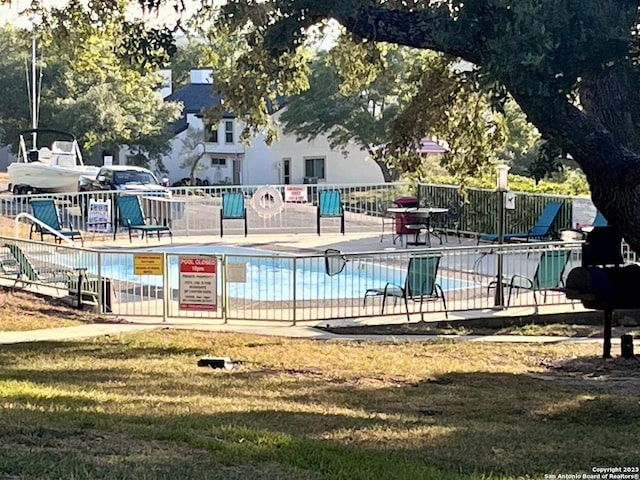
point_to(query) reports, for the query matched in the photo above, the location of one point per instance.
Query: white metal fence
(284, 287)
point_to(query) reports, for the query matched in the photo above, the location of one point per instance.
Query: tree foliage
(85, 89)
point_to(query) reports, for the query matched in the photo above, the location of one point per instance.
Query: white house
(224, 159)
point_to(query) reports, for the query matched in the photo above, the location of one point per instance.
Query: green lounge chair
(233, 209)
(420, 284)
(131, 217)
(45, 211)
(330, 206)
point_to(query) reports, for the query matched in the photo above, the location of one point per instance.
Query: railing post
(295, 283)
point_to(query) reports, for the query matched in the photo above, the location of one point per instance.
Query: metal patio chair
(233, 209)
(420, 284)
(330, 206)
(46, 212)
(131, 217)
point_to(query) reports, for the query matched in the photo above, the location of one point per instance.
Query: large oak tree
(571, 66)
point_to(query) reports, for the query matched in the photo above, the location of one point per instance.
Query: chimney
(200, 76)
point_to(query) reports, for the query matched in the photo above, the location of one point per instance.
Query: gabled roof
(195, 97)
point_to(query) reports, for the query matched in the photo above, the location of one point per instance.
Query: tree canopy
(571, 67)
(83, 89)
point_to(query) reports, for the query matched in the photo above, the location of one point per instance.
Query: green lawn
(139, 407)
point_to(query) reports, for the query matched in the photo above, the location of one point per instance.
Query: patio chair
(25, 271)
(233, 209)
(131, 217)
(45, 211)
(449, 223)
(540, 231)
(548, 277)
(388, 219)
(330, 206)
(420, 285)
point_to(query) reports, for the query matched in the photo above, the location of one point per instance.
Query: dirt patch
(612, 376)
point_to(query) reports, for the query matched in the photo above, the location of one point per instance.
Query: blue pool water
(270, 276)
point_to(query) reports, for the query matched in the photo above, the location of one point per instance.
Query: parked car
(128, 178)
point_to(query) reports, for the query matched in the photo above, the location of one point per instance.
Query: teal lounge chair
(233, 209)
(543, 229)
(45, 211)
(26, 272)
(330, 206)
(420, 284)
(548, 276)
(131, 217)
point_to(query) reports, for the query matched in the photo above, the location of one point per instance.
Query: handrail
(33, 219)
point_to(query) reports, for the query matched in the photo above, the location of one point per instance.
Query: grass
(136, 406)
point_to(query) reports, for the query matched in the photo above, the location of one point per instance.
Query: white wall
(259, 163)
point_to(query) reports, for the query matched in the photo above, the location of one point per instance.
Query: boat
(56, 166)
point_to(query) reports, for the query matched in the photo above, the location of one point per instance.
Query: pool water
(270, 276)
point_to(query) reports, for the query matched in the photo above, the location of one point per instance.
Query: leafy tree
(572, 68)
(86, 90)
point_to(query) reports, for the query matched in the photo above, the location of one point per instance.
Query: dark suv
(129, 178)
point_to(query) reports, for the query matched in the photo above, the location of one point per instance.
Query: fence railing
(242, 284)
(478, 208)
(286, 208)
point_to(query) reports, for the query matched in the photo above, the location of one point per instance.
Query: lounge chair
(330, 206)
(233, 209)
(25, 271)
(420, 284)
(548, 276)
(543, 229)
(45, 211)
(131, 217)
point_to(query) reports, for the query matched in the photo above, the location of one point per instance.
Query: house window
(228, 131)
(218, 162)
(211, 133)
(314, 167)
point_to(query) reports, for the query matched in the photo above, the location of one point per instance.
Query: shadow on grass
(310, 422)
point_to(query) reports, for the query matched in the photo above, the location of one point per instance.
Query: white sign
(295, 194)
(107, 160)
(510, 201)
(99, 216)
(198, 286)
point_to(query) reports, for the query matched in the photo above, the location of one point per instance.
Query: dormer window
(228, 131)
(211, 133)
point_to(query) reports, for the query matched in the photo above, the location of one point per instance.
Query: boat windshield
(133, 176)
(61, 146)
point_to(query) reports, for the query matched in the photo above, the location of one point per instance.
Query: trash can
(404, 219)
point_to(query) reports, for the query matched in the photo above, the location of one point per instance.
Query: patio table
(423, 222)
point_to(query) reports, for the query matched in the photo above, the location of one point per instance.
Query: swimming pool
(270, 276)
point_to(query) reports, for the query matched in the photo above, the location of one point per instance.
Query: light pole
(502, 186)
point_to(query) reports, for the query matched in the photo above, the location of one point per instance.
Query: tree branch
(431, 28)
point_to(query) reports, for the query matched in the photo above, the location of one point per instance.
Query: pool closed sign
(198, 286)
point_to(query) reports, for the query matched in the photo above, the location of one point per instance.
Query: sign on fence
(198, 286)
(99, 216)
(295, 194)
(148, 264)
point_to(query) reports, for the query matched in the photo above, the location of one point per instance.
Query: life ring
(267, 202)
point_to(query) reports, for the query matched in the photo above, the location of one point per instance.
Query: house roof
(196, 97)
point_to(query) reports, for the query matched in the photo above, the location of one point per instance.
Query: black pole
(499, 297)
(606, 348)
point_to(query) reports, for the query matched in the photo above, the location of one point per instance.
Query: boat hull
(49, 178)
